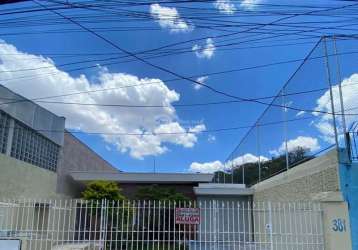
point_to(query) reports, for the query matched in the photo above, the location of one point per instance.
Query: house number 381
(339, 225)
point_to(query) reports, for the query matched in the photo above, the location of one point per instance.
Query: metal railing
(309, 113)
(351, 138)
(148, 225)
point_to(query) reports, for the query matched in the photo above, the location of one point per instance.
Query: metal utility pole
(330, 91)
(342, 114)
(258, 150)
(285, 128)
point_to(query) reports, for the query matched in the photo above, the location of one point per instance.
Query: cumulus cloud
(246, 158)
(324, 124)
(211, 167)
(205, 51)
(305, 142)
(207, 167)
(326, 130)
(169, 18)
(225, 6)
(250, 4)
(201, 79)
(50, 81)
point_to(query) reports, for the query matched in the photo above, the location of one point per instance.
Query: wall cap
(328, 197)
(223, 189)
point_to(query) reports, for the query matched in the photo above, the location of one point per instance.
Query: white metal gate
(149, 225)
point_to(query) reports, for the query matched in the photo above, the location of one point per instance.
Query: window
(32, 147)
(4, 131)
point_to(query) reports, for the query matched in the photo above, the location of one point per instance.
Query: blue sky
(173, 154)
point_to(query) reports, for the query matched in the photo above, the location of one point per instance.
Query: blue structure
(348, 171)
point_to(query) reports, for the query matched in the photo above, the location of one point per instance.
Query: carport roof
(127, 177)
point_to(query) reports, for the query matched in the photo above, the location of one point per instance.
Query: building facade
(31, 140)
(37, 153)
(40, 159)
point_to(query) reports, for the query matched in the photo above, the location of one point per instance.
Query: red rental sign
(187, 216)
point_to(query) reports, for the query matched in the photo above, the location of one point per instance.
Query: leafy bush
(156, 193)
(103, 190)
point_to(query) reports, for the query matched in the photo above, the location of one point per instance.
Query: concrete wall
(301, 182)
(321, 179)
(76, 156)
(19, 179)
(336, 223)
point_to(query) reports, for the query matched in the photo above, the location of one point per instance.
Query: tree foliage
(103, 190)
(268, 168)
(154, 192)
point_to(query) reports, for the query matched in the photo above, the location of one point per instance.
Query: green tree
(156, 193)
(103, 190)
(105, 202)
(160, 204)
(269, 168)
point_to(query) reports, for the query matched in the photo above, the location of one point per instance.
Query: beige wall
(19, 179)
(301, 182)
(336, 223)
(77, 156)
(318, 181)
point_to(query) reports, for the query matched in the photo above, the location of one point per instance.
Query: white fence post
(102, 233)
(215, 225)
(270, 225)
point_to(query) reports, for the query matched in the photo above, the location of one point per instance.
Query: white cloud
(208, 167)
(326, 129)
(197, 128)
(205, 51)
(225, 6)
(246, 158)
(325, 121)
(305, 142)
(300, 113)
(100, 118)
(201, 79)
(169, 18)
(211, 138)
(211, 167)
(250, 4)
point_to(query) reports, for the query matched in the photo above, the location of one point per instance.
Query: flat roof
(150, 178)
(222, 189)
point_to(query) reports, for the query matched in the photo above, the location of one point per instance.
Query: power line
(229, 34)
(185, 51)
(147, 133)
(54, 55)
(207, 74)
(174, 73)
(41, 100)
